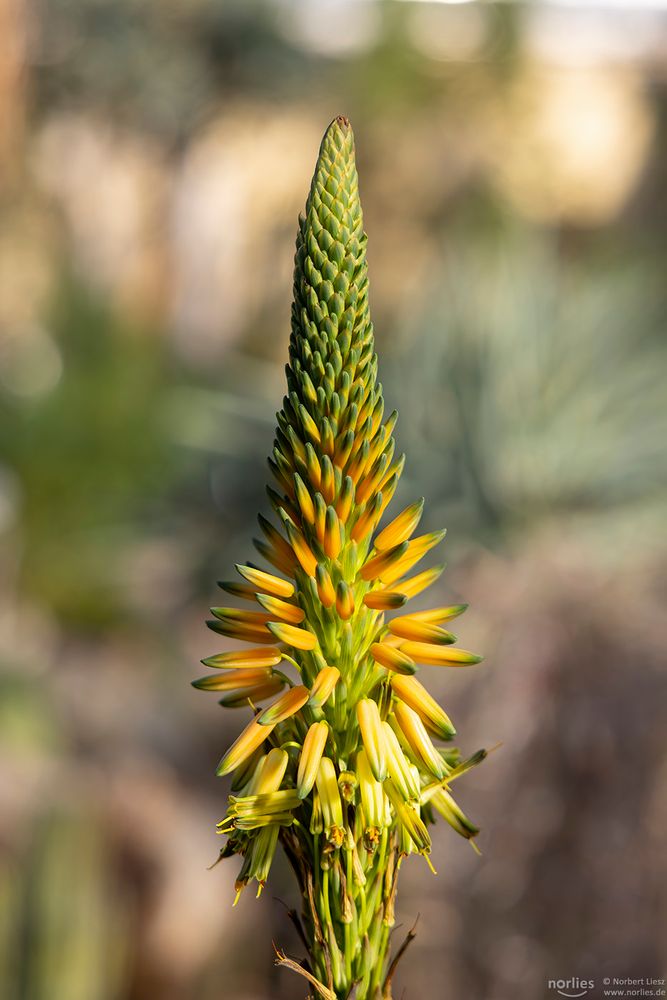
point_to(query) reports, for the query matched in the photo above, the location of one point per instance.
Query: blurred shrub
(87, 453)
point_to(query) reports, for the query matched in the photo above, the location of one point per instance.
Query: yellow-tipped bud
(269, 773)
(392, 658)
(281, 609)
(302, 549)
(398, 767)
(300, 638)
(323, 685)
(243, 590)
(308, 424)
(325, 588)
(358, 459)
(333, 538)
(252, 737)
(436, 616)
(416, 584)
(239, 630)
(372, 735)
(328, 440)
(439, 656)
(416, 550)
(401, 528)
(456, 818)
(345, 499)
(266, 582)
(332, 809)
(276, 541)
(313, 467)
(370, 484)
(410, 628)
(311, 755)
(262, 656)
(409, 818)
(254, 694)
(281, 503)
(229, 680)
(388, 490)
(287, 705)
(255, 619)
(376, 567)
(415, 695)
(344, 600)
(304, 499)
(384, 600)
(365, 523)
(344, 449)
(320, 517)
(287, 564)
(418, 740)
(328, 484)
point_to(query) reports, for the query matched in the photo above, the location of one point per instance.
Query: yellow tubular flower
(415, 695)
(300, 638)
(252, 695)
(269, 773)
(344, 600)
(416, 584)
(450, 811)
(266, 582)
(245, 659)
(372, 735)
(304, 499)
(409, 628)
(333, 537)
(277, 608)
(414, 551)
(239, 630)
(443, 656)
(229, 680)
(401, 528)
(372, 798)
(339, 758)
(323, 686)
(392, 658)
(420, 743)
(325, 588)
(311, 755)
(436, 616)
(288, 704)
(244, 590)
(399, 768)
(252, 737)
(409, 818)
(332, 809)
(378, 567)
(384, 600)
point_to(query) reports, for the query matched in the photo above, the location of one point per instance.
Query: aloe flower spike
(343, 767)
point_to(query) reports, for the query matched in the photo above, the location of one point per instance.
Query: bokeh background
(153, 158)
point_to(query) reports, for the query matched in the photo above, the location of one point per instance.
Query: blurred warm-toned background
(153, 158)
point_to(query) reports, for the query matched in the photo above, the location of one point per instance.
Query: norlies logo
(574, 987)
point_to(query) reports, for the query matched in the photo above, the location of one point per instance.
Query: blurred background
(153, 159)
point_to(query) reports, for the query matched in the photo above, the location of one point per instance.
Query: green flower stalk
(344, 766)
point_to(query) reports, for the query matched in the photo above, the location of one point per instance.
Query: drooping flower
(344, 766)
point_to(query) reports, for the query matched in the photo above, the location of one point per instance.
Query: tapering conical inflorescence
(344, 764)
